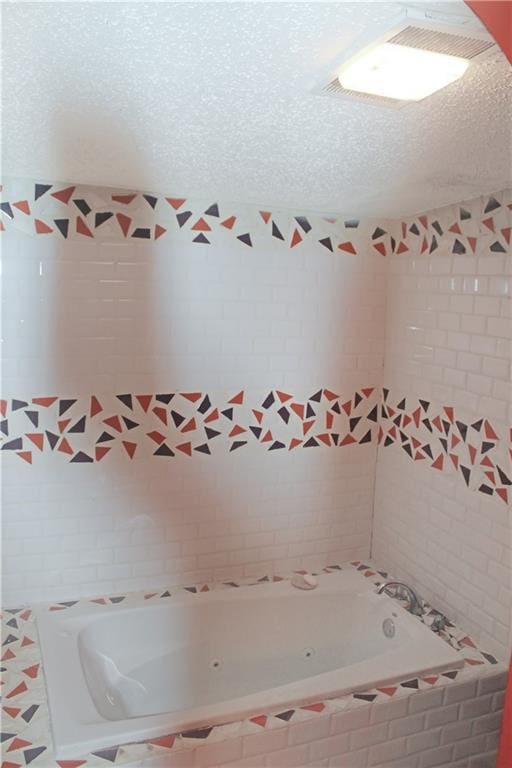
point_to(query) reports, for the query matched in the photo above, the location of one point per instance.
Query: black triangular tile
(268, 401)
(40, 190)
(303, 223)
(213, 210)
(163, 450)
(126, 400)
(82, 206)
(205, 405)
(327, 243)
(245, 238)
(65, 405)
(101, 218)
(63, 226)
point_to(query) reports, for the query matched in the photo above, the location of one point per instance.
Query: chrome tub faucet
(399, 589)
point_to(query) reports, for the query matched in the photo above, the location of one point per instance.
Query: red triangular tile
(258, 416)
(130, 448)
(44, 401)
(296, 238)
(201, 226)
(20, 688)
(438, 463)
(64, 447)
(114, 422)
(298, 409)
(82, 228)
(503, 494)
(161, 413)
(306, 426)
(163, 741)
(23, 206)
(18, 743)
(100, 451)
(259, 720)
(213, 416)
(192, 396)
(124, 222)
(144, 401)
(41, 227)
(157, 437)
(190, 426)
(176, 202)
(31, 671)
(64, 195)
(36, 438)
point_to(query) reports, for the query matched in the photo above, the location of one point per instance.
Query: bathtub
(117, 674)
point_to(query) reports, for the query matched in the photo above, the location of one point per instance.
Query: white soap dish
(304, 581)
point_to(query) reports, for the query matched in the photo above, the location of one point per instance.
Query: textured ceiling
(214, 99)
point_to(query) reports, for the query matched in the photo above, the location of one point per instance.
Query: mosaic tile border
(480, 226)
(85, 430)
(475, 450)
(25, 712)
(84, 212)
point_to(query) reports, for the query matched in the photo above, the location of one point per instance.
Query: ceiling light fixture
(400, 72)
(414, 58)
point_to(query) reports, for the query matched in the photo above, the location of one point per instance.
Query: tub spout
(398, 590)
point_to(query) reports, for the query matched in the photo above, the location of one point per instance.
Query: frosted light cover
(401, 72)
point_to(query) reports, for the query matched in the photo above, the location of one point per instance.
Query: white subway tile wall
(448, 341)
(132, 296)
(90, 316)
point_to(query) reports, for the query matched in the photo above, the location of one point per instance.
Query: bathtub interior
(209, 652)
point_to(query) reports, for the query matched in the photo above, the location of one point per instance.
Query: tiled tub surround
(447, 378)
(294, 316)
(449, 720)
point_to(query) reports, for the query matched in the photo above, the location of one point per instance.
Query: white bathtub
(119, 674)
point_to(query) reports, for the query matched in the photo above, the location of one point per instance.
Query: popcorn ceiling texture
(215, 99)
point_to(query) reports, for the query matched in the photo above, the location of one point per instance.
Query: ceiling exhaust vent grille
(441, 42)
(335, 88)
